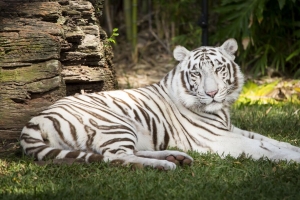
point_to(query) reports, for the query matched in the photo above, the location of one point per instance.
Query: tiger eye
(196, 73)
(218, 69)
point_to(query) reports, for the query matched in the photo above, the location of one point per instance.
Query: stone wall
(48, 49)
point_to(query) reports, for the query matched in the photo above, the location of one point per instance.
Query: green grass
(209, 178)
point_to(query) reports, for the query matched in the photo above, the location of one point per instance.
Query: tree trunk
(48, 50)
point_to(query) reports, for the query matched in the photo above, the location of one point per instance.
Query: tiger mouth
(213, 102)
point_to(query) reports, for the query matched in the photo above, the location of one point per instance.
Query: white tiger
(187, 109)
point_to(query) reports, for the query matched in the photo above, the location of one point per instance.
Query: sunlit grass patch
(273, 91)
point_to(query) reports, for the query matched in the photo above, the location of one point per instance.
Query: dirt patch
(153, 64)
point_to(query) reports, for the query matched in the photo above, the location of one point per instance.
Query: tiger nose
(212, 93)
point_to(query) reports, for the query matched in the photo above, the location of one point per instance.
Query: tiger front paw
(180, 160)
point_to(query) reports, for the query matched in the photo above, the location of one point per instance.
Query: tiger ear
(180, 53)
(230, 46)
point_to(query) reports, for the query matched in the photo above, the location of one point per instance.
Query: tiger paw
(179, 159)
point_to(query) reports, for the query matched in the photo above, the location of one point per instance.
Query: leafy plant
(177, 22)
(190, 39)
(267, 32)
(268, 93)
(114, 34)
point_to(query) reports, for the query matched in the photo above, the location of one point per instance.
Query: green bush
(267, 32)
(178, 20)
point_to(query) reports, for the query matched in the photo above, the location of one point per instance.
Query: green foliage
(210, 177)
(185, 15)
(112, 38)
(254, 94)
(267, 32)
(190, 38)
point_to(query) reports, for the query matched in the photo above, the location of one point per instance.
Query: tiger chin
(188, 109)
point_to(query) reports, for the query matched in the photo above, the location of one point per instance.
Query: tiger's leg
(236, 145)
(126, 158)
(120, 148)
(35, 145)
(177, 157)
(37, 148)
(256, 136)
(143, 142)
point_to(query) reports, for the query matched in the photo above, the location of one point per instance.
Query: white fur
(180, 53)
(229, 47)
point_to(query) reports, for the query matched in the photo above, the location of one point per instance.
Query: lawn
(209, 178)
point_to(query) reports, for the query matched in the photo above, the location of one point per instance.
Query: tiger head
(209, 77)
